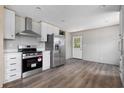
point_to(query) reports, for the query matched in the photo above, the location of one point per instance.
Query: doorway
(77, 47)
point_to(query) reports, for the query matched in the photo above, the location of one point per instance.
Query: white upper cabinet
(56, 30)
(9, 24)
(36, 27)
(20, 24)
(43, 31)
(48, 29)
(53, 30)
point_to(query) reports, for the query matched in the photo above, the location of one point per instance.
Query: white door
(77, 47)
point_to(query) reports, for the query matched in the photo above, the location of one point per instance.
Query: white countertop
(16, 51)
(11, 51)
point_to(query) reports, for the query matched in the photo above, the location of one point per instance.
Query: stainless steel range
(31, 60)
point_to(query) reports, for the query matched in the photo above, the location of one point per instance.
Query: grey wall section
(22, 40)
(101, 45)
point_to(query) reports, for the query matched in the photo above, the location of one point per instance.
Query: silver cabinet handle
(12, 69)
(12, 75)
(13, 64)
(13, 58)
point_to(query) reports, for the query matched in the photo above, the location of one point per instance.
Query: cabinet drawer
(13, 65)
(10, 62)
(12, 74)
(11, 56)
(13, 70)
(12, 77)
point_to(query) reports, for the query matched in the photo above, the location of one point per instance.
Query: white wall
(68, 45)
(23, 40)
(101, 45)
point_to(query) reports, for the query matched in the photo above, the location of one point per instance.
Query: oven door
(31, 63)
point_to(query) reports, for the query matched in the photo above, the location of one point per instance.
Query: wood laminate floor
(74, 74)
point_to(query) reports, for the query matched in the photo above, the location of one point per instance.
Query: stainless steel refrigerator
(56, 44)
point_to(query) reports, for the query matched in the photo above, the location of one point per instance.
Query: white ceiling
(71, 17)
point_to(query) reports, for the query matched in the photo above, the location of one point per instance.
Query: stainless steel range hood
(28, 29)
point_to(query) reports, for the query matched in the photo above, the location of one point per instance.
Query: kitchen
(43, 50)
(25, 51)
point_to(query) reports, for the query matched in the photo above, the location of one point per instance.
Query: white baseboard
(98, 61)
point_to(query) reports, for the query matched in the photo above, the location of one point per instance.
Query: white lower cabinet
(12, 66)
(46, 60)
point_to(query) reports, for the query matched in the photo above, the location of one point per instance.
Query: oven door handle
(29, 57)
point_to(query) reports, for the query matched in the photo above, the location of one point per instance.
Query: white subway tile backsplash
(22, 40)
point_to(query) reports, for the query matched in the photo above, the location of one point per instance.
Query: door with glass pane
(77, 47)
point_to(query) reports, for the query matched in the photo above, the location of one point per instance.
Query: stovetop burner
(27, 48)
(29, 51)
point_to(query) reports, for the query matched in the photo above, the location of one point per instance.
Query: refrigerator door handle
(119, 46)
(59, 50)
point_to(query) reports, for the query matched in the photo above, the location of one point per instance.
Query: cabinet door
(46, 60)
(52, 29)
(55, 30)
(36, 27)
(9, 24)
(49, 29)
(20, 24)
(43, 31)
